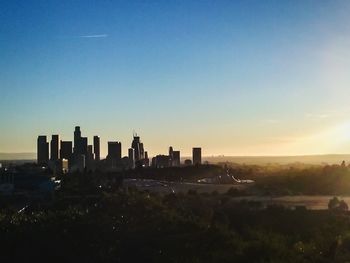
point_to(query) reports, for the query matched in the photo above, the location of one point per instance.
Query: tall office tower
(77, 140)
(131, 155)
(97, 148)
(114, 151)
(89, 159)
(54, 148)
(142, 151)
(84, 145)
(80, 143)
(80, 150)
(66, 150)
(136, 146)
(146, 160)
(176, 158)
(196, 155)
(42, 150)
(90, 153)
(171, 157)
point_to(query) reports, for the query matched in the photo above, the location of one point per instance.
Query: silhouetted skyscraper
(142, 151)
(114, 154)
(146, 160)
(89, 159)
(176, 158)
(97, 148)
(80, 150)
(54, 148)
(42, 150)
(90, 152)
(77, 140)
(84, 145)
(171, 157)
(114, 150)
(136, 146)
(80, 143)
(196, 155)
(131, 155)
(66, 150)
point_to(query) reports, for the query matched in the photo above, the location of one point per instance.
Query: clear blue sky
(235, 77)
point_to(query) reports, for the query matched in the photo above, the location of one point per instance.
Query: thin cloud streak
(94, 36)
(317, 116)
(270, 121)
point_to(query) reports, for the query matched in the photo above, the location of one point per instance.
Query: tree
(333, 203)
(338, 205)
(343, 206)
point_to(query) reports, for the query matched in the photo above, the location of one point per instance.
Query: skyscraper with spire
(139, 151)
(80, 150)
(136, 146)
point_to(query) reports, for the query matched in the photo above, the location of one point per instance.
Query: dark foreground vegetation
(97, 220)
(303, 180)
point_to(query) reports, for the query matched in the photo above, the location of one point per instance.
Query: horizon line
(236, 156)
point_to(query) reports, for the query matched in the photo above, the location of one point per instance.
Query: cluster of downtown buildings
(63, 156)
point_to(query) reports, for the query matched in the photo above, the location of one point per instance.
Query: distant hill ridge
(307, 159)
(17, 156)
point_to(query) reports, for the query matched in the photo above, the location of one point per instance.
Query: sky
(234, 77)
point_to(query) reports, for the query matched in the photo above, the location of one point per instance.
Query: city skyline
(78, 155)
(237, 78)
(57, 148)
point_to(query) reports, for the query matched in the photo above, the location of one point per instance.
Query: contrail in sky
(94, 36)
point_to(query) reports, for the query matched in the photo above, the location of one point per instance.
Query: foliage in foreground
(132, 226)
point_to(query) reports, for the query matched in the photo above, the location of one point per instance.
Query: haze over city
(236, 78)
